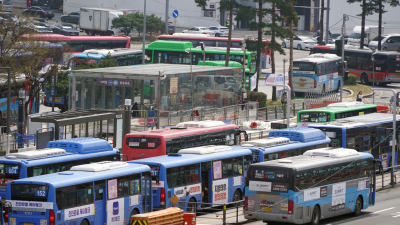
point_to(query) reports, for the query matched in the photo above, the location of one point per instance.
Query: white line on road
(382, 210)
(396, 216)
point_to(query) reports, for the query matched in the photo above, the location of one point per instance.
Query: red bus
(185, 135)
(78, 44)
(216, 42)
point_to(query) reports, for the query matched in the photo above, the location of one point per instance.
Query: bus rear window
(268, 174)
(302, 66)
(29, 192)
(143, 143)
(11, 171)
(315, 117)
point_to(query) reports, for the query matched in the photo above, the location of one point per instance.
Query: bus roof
(102, 53)
(89, 55)
(301, 134)
(316, 60)
(221, 63)
(316, 158)
(178, 132)
(170, 45)
(174, 160)
(68, 178)
(59, 37)
(339, 108)
(191, 37)
(82, 145)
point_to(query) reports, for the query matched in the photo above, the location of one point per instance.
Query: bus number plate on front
(28, 223)
(267, 209)
(301, 85)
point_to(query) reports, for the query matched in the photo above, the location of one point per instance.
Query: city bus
(177, 52)
(285, 143)
(319, 184)
(335, 111)
(123, 56)
(59, 156)
(78, 44)
(208, 174)
(365, 133)
(331, 49)
(318, 72)
(185, 135)
(98, 193)
(217, 42)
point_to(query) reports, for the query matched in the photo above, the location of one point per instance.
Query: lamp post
(394, 130)
(284, 61)
(144, 34)
(191, 74)
(373, 74)
(287, 100)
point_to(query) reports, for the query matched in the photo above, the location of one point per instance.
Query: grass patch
(272, 103)
(358, 87)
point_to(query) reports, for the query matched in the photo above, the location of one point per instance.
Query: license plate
(267, 209)
(301, 85)
(58, 99)
(396, 75)
(28, 223)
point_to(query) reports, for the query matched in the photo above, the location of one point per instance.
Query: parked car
(220, 31)
(42, 24)
(199, 30)
(6, 5)
(43, 12)
(72, 17)
(42, 29)
(65, 29)
(389, 42)
(8, 16)
(299, 43)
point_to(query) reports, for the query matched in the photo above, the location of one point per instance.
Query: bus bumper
(272, 217)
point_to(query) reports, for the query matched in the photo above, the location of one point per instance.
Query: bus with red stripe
(216, 42)
(185, 135)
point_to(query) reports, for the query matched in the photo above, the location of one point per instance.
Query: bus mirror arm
(246, 138)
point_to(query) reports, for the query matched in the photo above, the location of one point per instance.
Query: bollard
(189, 218)
(224, 215)
(276, 113)
(266, 113)
(294, 109)
(139, 219)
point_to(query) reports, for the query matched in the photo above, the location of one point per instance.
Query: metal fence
(316, 99)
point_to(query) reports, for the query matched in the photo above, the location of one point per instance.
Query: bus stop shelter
(84, 123)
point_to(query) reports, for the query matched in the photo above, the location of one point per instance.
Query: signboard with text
(114, 82)
(173, 85)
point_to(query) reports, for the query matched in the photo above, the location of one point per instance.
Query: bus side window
(123, 187)
(226, 168)
(99, 190)
(237, 166)
(134, 183)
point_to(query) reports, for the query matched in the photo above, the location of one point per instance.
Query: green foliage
(135, 20)
(106, 62)
(258, 96)
(352, 80)
(125, 22)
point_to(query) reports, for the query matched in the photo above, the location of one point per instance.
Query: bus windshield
(393, 63)
(304, 67)
(315, 117)
(29, 192)
(11, 171)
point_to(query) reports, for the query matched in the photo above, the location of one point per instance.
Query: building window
(208, 13)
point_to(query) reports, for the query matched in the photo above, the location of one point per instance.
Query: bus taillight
(162, 197)
(6, 215)
(315, 84)
(290, 210)
(44, 98)
(245, 203)
(52, 218)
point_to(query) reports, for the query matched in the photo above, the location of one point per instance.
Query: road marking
(382, 210)
(396, 216)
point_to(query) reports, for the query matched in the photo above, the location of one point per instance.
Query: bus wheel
(191, 208)
(364, 79)
(357, 209)
(237, 196)
(315, 216)
(84, 222)
(134, 212)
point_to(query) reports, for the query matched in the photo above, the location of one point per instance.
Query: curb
(348, 90)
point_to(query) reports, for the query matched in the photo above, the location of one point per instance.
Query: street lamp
(191, 73)
(373, 74)
(394, 129)
(287, 100)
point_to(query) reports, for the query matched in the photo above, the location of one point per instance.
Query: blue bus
(318, 72)
(285, 143)
(59, 156)
(99, 193)
(366, 133)
(209, 174)
(319, 184)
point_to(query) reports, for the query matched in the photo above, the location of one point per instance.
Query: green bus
(334, 111)
(177, 52)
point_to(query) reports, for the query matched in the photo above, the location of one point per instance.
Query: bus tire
(134, 212)
(237, 196)
(85, 222)
(191, 207)
(364, 79)
(316, 215)
(358, 206)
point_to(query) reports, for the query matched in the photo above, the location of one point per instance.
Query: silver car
(389, 42)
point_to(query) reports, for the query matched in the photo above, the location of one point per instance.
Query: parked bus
(58, 156)
(335, 111)
(286, 143)
(185, 135)
(319, 184)
(98, 193)
(217, 42)
(176, 52)
(123, 56)
(331, 49)
(365, 133)
(78, 44)
(209, 174)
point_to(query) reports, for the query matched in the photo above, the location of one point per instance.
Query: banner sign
(114, 82)
(276, 78)
(173, 85)
(253, 82)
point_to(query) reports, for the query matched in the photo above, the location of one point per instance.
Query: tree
(135, 20)
(292, 18)
(379, 8)
(21, 50)
(125, 23)
(61, 87)
(367, 9)
(154, 24)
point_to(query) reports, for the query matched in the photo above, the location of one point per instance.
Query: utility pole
(327, 23)
(343, 64)
(166, 16)
(144, 35)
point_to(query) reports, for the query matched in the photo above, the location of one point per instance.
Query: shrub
(352, 80)
(258, 96)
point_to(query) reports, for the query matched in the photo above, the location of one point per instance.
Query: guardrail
(388, 174)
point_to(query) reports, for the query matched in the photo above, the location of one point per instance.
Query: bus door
(206, 173)
(146, 194)
(100, 202)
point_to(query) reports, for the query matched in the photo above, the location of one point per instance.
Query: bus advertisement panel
(97, 193)
(324, 182)
(367, 133)
(185, 135)
(59, 156)
(211, 175)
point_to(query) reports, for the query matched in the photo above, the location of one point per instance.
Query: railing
(388, 174)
